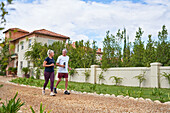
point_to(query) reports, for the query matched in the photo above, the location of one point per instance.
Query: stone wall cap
(95, 66)
(155, 64)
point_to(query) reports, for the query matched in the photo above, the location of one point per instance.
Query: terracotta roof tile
(47, 32)
(16, 29)
(44, 32)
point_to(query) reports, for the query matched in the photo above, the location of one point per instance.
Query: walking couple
(49, 63)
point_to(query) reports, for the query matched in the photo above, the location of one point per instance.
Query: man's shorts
(62, 75)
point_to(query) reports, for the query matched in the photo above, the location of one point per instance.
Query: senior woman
(49, 71)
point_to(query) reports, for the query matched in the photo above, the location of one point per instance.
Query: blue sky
(90, 19)
(109, 1)
(100, 1)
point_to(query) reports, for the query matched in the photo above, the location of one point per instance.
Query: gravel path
(81, 103)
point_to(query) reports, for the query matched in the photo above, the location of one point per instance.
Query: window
(21, 64)
(28, 63)
(18, 48)
(22, 45)
(29, 45)
(50, 42)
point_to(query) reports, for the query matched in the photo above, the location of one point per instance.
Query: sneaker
(52, 94)
(66, 92)
(43, 92)
(55, 91)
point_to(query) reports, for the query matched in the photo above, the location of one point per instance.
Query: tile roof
(50, 33)
(16, 29)
(44, 32)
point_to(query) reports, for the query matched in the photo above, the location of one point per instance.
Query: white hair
(50, 51)
(64, 50)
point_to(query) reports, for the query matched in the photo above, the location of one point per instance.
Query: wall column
(155, 75)
(93, 73)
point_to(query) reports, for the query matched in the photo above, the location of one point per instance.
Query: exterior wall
(14, 35)
(38, 38)
(163, 80)
(128, 74)
(79, 75)
(21, 53)
(45, 39)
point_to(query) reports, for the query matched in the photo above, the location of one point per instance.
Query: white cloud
(90, 20)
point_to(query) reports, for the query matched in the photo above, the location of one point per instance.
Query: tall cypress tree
(150, 52)
(163, 47)
(138, 50)
(111, 52)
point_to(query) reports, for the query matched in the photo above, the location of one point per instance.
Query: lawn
(162, 94)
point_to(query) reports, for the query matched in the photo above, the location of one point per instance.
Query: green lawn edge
(161, 94)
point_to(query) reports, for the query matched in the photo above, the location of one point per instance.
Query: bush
(101, 77)
(87, 74)
(14, 70)
(116, 79)
(41, 109)
(166, 75)
(38, 73)
(10, 68)
(2, 73)
(32, 77)
(141, 78)
(11, 106)
(26, 70)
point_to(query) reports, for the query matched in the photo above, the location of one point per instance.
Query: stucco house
(23, 40)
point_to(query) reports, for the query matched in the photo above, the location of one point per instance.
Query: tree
(111, 52)
(37, 54)
(126, 47)
(3, 13)
(5, 55)
(150, 52)
(138, 50)
(163, 47)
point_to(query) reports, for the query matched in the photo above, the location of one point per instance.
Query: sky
(90, 19)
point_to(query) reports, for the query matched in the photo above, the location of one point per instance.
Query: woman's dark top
(49, 61)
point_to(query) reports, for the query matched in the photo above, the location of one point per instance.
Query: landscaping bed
(161, 94)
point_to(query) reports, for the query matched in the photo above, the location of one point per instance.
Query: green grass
(162, 94)
(1, 85)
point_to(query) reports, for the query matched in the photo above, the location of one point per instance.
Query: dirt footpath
(76, 103)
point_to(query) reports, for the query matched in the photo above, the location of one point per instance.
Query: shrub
(116, 79)
(41, 109)
(11, 106)
(14, 70)
(2, 73)
(26, 71)
(141, 78)
(166, 75)
(38, 73)
(10, 68)
(87, 74)
(72, 71)
(32, 77)
(101, 77)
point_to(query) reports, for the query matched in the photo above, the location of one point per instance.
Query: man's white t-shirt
(61, 59)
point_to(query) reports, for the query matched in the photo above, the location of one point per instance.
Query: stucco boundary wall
(153, 74)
